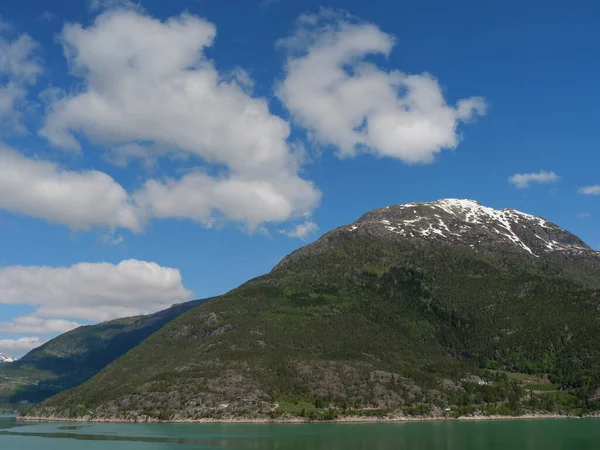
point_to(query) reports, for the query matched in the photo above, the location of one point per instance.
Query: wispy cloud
(302, 230)
(20, 68)
(37, 325)
(99, 5)
(590, 190)
(267, 3)
(523, 180)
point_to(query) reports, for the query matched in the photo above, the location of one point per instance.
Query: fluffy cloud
(80, 200)
(148, 86)
(91, 199)
(18, 347)
(37, 325)
(18, 69)
(523, 180)
(590, 190)
(302, 230)
(92, 291)
(247, 200)
(342, 99)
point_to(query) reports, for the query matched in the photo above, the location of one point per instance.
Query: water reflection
(514, 435)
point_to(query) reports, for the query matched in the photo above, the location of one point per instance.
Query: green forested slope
(358, 320)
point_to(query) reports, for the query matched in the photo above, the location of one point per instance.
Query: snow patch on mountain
(469, 223)
(6, 359)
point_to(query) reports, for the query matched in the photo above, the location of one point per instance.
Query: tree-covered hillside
(76, 356)
(364, 321)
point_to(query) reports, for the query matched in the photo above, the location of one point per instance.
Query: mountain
(72, 358)
(6, 359)
(507, 234)
(466, 222)
(413, 309)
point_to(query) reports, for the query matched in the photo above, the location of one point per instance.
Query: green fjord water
(563, 434)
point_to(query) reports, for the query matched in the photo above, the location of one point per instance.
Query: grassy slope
(74, 357)
(363, 322)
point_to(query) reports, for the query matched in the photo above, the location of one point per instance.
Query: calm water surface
(563, 434)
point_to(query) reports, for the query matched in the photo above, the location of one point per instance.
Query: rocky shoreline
(343, 419)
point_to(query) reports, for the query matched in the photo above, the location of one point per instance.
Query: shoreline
(298, 420)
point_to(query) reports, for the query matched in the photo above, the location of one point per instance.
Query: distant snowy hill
(6, 359)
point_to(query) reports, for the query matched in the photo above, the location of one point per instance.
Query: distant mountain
(74, 357)
(400, 311)
(6, 359)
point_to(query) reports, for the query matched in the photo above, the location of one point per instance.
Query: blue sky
(153, 152)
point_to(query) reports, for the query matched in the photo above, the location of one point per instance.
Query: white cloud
(19, 68)
(92, 199)
(93, 291)
(17, 58)
(342, 99)
(590, 190)
(523, 180)
(18, 347)
(148, 86)
(247, 200)
(81, 200)
(302, 230)
(37, 325)
(10, 94)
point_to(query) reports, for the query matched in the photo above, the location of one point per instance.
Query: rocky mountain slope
(72, 358)
(397, 311)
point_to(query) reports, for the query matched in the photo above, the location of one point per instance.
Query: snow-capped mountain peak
(6, 359)
(467, 222)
